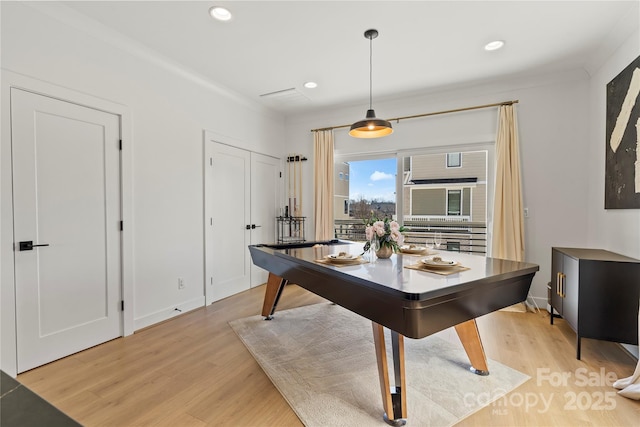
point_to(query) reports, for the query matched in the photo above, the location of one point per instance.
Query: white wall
(552, 115)
(169, 110)
(617, 230)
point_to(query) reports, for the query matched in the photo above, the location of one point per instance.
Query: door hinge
(120, 145)
(122, 305)
(210, 161)
(280, 174)
(121, 225)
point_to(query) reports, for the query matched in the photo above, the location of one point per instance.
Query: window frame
(448, 210)
(450, 156)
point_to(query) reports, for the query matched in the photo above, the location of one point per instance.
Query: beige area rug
(321, 358)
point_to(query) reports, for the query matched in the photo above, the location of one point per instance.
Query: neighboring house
(446, 187)
(341, 190)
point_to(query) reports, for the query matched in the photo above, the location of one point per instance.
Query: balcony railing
(436, 218)
(462, 236)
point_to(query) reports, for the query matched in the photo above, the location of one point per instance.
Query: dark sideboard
(597, 292)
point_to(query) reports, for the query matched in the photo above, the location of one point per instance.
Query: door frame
(9, 79)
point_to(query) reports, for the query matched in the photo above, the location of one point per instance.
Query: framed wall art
(622, 167)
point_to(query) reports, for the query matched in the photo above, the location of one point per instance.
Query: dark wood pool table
(409, 302)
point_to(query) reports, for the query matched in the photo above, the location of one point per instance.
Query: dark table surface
(414, 303)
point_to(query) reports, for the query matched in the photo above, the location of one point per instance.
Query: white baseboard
(540, 303)
(168, 313)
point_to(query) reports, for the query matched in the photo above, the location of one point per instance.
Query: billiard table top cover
(411, 302)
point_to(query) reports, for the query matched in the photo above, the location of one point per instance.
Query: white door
(228, 232)
(265, 178)
(66, 180)
(241, 203)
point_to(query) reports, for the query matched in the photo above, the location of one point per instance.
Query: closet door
(227, 220)
(265, 171)
(241, 202)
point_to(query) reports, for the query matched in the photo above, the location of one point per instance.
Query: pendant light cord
(370, 72)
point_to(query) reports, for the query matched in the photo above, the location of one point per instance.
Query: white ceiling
(423, 45)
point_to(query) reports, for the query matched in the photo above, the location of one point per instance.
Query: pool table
(409, 302)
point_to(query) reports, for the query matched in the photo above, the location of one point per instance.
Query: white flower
(397, 236)
(394, 226)
(378, 226)
(368, 232)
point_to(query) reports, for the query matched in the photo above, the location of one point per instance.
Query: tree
(360, 208)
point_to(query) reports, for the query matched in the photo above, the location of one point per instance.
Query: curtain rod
(397, 119)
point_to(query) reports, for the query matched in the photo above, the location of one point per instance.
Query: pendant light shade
(370, 127)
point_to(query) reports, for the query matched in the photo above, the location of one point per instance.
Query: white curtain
(508, 221)
(323, 184)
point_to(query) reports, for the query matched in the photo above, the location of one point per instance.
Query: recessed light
(311, 85)
(220, 13)
(494, 45)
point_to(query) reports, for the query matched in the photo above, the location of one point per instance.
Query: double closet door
(241, 204)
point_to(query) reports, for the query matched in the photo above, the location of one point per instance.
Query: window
(454, 202)
(453, 246)
(363, 188)
(454, 160)
(432, 197)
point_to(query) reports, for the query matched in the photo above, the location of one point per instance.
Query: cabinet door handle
(558, 283)
(563, 280)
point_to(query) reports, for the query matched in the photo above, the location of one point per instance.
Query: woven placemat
(423, 253)
(442, 272)
(357, 261)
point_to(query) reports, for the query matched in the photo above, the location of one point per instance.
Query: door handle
(28, 245)
(255, 226)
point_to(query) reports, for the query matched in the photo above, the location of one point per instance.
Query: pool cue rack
(290, 226)
(290, 229)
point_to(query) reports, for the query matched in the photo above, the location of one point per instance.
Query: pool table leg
(394, 400)
(275, 285)
(470, 338)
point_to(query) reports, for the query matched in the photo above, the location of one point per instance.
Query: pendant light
(370, 127)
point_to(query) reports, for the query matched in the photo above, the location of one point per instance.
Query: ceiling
(273, 46)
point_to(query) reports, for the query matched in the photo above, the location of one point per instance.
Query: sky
(373, 179)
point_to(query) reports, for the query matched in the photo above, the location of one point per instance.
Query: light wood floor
(194, 371)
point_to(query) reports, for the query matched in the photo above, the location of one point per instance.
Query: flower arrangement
(388, 233)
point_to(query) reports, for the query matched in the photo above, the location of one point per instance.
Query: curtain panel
(508, 221)
(323, 184)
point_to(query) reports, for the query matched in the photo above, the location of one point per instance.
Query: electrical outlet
(180, 283)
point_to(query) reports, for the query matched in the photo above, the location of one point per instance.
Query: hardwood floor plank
(194, 371)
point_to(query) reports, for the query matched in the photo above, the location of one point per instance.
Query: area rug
(321, 358)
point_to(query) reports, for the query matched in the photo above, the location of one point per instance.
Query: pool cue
(289, 186)
(299, 193)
